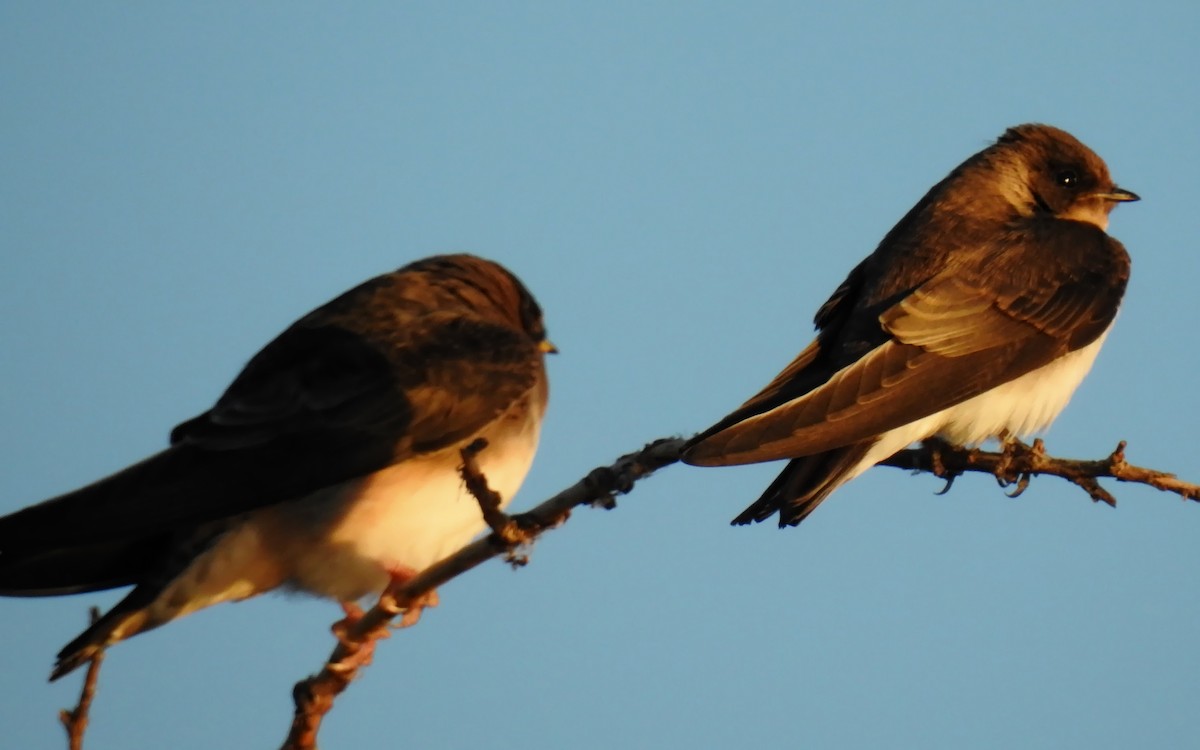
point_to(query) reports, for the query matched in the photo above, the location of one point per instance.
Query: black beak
(1120, 195)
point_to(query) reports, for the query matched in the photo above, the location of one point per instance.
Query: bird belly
(342, 542)
(1019, 407)
(401, 519)
(345, 541)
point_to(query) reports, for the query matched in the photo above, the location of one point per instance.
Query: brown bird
(328, 466)
(976, 317)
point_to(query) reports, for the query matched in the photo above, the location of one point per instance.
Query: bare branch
(1014, 466)
(314, 696)
(1017, 463)
(359, 632)
(75, 721)
(503, 527)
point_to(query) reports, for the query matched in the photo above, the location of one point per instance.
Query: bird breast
(342, 541)
(1019, 407)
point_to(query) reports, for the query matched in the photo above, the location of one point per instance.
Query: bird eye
(1067, 178)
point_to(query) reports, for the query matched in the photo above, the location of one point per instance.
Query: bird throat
(1091, 212)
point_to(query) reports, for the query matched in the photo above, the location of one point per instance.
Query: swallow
(329, 466)
(976, 317)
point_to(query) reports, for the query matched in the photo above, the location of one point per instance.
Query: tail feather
(77, 569)
(804, 483)
(127, 618)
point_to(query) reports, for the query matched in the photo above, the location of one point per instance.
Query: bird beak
(1119, 195)
(545, 346)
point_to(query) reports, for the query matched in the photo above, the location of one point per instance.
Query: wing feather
(321, 404)
(962, 332)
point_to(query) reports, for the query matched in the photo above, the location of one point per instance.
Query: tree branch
(75, 721)
(503, 526)
(1015, 465)
(314, 696)
(1018, 463)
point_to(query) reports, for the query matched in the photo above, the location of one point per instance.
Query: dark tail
(76, 569)
(128, 617)
(803, 484)
(88, 539)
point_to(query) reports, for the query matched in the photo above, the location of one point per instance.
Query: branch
(504, 527)
(1015, 465)
(75, 721)
(358, 633)
(314, 696)
(1018, 463)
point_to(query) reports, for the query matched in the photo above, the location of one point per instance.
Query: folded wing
(960, 333)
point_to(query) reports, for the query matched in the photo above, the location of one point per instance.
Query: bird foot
(1010, 448)
(359, 655)
(410, 615)
(1015, 460)
(359, 647)
(937, 449)
(341, 628)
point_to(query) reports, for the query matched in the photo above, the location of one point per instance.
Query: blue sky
(681, 186)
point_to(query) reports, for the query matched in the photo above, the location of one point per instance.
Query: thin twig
(314, 696)
(357, 635)
(75, 720)
(502, 525)
(1013, 466)
(1017, 463)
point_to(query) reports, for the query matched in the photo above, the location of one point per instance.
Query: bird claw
(410, 614)
(341, 628)
(1012, 449)
(937, 465)
(1022, 485)
(359, 651)
(358, 657)
(949, 483)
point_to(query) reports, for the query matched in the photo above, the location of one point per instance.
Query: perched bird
(328, 466)
(976, 317)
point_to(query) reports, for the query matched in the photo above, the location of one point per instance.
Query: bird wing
(425, 385)
(961, 333)
(319, 405)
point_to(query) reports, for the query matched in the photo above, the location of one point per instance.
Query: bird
(975, 318)
(328, 466)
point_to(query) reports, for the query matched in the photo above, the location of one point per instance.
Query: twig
(502, 525)
(1017, 463)
(75, 720)
(314, 696)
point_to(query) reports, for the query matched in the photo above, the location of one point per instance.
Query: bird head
(1050, 172)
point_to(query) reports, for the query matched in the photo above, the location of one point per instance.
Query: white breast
(1020, 407)
(407, 516)
(342, 541)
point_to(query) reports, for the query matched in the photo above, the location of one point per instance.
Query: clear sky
(681, 185)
